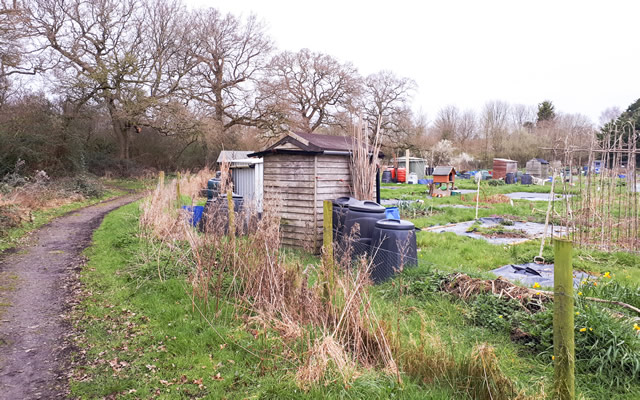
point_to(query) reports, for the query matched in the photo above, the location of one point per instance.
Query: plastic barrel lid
(367, 206)
(395, 224)
(345, 201)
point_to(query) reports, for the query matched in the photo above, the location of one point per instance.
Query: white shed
(247, 176)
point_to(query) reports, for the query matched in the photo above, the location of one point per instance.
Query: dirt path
(33, 333)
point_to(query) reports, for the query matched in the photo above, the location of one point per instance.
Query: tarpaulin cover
(531, 273)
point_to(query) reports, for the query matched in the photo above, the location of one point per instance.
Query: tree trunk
(121, 132)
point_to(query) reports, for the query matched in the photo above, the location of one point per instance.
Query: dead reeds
(364, 160)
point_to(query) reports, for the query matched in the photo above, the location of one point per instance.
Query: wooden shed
(503, 166)
(302, 170)
(538, 167)
(444, 175)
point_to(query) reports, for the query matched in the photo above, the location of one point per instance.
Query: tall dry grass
(364, 160)
(269, 288)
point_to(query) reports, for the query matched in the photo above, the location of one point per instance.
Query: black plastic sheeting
(531, 273)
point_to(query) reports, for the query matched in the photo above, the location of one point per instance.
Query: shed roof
(504, 159)
(541, 161)
(443, 170)
(308, 143)
(232, 155)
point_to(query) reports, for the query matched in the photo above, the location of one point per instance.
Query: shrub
(85, 186)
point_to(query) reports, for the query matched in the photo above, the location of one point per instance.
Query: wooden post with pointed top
(563, 323)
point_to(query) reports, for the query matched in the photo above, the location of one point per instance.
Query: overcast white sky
(582, 55)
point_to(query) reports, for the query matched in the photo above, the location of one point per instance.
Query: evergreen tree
(546, 111)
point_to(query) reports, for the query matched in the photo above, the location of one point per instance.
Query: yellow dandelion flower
(538, 293)
(590, 329)
(579, 293)
(577, 312)
(636, 327)
(499, 316)
(583, 329)
(536, 285)
(607, 274)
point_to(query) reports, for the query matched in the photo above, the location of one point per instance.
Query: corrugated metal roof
(440, 171)
(231, 155)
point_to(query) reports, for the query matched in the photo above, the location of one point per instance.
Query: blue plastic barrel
(195, 214)
(392, 213)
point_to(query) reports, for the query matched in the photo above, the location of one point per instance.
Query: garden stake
(563, 323)
(539, 259)
(478, 195)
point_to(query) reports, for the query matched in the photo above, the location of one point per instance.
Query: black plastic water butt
(365, 214)
(395, 247)
(340, 211)
(510, 178)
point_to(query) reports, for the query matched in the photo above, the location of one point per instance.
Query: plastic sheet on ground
(532, 230)
(532, 273)
(532, 196)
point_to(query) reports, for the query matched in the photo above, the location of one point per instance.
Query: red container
(402, 175)
(393, 173)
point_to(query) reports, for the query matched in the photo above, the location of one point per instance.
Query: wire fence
(387, 256)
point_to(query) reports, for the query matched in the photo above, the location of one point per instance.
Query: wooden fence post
(563, 323)
(232, 217)
(327, 244)
(327, 229)
(178, 195)
(161, 179)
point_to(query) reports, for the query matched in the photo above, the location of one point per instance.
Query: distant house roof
(231, 155)
(442, 171)
(309, 143)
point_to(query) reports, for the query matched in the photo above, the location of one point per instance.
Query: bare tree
(386, 97)
(311, 89)
(608, 115)
(17, 56)
(523, 116)
(467, 128)
(231, 54)
(494, 126)
(447, 122)
(126, 55)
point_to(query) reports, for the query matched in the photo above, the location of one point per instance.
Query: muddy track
(34, 345)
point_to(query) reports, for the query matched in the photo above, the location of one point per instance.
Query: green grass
(166, 346)
(448, 252)
(150, 325)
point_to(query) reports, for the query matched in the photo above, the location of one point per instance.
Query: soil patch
(34, 335)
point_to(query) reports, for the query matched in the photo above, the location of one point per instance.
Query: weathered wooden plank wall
(300, 184)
